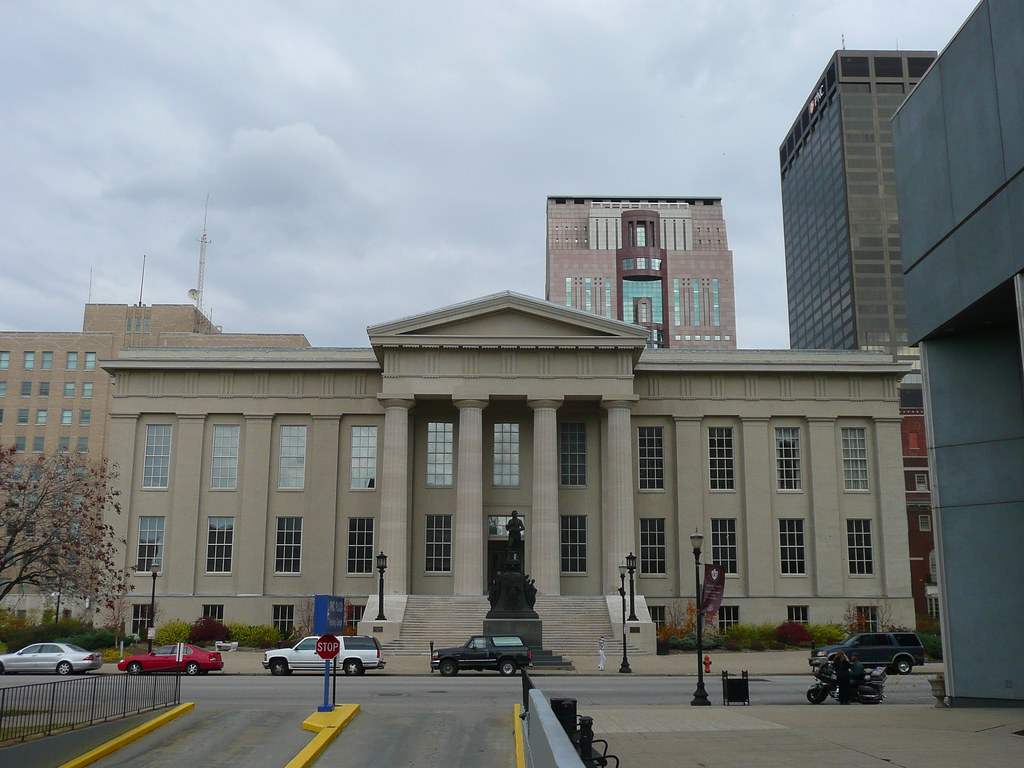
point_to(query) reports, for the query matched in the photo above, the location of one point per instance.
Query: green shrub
(207, 631)
(710, 642)
(9, 621)
(91, 641)
(826, 634)
(172, 632)
(932, 645)
(254, 635)
(743, 636)
(19, 637)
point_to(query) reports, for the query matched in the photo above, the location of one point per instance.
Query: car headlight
(820, 653)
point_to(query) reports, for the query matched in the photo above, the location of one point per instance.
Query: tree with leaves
(53, 531)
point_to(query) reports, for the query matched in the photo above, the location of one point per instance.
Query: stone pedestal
(531, 630)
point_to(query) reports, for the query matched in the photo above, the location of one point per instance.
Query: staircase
(571, 625)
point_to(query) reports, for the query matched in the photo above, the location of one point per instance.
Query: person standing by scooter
(856, 673)
(842, 669)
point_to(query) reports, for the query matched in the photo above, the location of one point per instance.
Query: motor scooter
(870, 690)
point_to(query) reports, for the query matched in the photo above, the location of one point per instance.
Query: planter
(662, 647)
(938, 684)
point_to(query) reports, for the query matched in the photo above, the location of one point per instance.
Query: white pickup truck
(358, 654)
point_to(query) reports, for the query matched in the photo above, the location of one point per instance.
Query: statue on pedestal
(511, 592)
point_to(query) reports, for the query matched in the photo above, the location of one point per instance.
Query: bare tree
(53, 534)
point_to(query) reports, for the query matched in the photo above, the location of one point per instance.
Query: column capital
(620, 402)
(397, 401)
(887, 419)
(544, 403)
(471, 402)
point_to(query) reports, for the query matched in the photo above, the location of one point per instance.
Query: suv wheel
(902, 666)
(352, 667)
(448, 668)
(279, 667)
(507, 667)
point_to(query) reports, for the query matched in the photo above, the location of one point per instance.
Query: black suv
(899, 651)
(502, 653)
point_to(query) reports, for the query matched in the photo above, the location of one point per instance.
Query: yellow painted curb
(326, 725)
(127, 738)
(517, 734)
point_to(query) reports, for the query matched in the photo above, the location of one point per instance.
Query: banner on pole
(714, 589)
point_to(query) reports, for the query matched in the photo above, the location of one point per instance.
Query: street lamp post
(155, 569)
(382, 565)
(631, 567)
(700, 696)
(624, 667)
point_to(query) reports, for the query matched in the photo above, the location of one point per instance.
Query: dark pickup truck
(502, 653)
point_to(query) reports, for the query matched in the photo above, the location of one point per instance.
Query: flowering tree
(52, 531)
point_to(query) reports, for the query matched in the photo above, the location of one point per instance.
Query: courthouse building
(255, 478)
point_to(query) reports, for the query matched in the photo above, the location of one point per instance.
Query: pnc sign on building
(816, 99)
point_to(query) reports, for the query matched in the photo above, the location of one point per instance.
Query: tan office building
(255, 478)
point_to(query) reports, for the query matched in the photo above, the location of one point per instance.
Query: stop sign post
(327, 647)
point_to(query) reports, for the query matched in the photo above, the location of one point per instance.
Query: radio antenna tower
(196, 294)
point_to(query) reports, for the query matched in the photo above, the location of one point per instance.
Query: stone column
(394, 493)
(618, 530)
(824, 539)
(890, 539)
(186, 538)
(691, 477)
(544, 533)
(468, 549)
(257, 475)
(757, 572)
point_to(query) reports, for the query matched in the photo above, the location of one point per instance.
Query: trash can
(735, 690)
(565, 711)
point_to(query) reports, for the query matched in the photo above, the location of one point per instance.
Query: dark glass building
(842, 231)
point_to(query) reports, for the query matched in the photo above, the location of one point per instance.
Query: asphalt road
(413, 721)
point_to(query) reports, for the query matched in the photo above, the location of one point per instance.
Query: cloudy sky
(368, 161)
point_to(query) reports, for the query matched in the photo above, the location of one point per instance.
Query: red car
(194, 661)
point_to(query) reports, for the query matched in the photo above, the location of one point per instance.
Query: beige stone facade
(255, 478)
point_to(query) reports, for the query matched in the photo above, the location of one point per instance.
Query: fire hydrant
(707, 664)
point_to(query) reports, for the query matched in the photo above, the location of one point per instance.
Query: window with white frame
(72, 364)
(438, 544)
(219, 540)
(90, 361)
(360, 545)
(140, 619)
(440, 457)
(69, 389)
(86, 389)
(572, 443)
(792, 557)
(933, 566)
(858, 547)
(855, 458)
(363, 465)
(652, 545)
(920, 481)
(721, 459)
(924, 523)
(5, 361)
(38, 443)
(46, 363)
(288, 547)
(224, 464)
(573, 543)
(724, 543)
(787, 459)
(29, 361)
(867, 618)
(292, 463)
(283, 619)
(41, 417)
(657, 615)
(933, 606)
(83, 446)
(65, 416)
(156, 464)
(728, 616)
(651, 453)
(506, 454)
(151, 543)
(213, 611)
(800, 614)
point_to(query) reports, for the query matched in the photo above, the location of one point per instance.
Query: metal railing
(43, 708)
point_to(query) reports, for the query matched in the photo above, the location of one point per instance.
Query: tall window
(84, 417)
(506, 454)
(90, 361)
(791, 543)
(720, 457)
(858, 547)
(723, 543)
(47, 361)
(574, 544)
(219, 539)
(787, 458)
(360, 545)
(72, 361)
(283, 619)
(224, 468)
(86, 389)
(83, 446)
(151, 543)
(44, 389)
(652, 545)
(855, 459)
(363, 468)
(438, 544)
(29, 360)
(292, 469)
(439, 453)
(41, 416)
(728, 616)
(140, 619)
(157, 462)
(69, 389)
(924, 523)
(572, 450)
(651, 452)
(288, 549)
(5, 361)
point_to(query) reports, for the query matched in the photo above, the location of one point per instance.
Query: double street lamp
(624, 667)
(155, 569)
(700, 696)
(382, 565)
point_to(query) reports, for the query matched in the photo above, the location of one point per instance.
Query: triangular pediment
(508, 319)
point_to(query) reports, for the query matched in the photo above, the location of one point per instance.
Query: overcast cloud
(368, 161)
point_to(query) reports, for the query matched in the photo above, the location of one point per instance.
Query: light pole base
(700, 697)
(624, 667)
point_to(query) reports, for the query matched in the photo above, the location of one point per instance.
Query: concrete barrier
(547, 745)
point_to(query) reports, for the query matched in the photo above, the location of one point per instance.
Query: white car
(62, 658)
(358, 654)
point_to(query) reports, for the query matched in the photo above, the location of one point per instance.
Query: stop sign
(327, 647)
